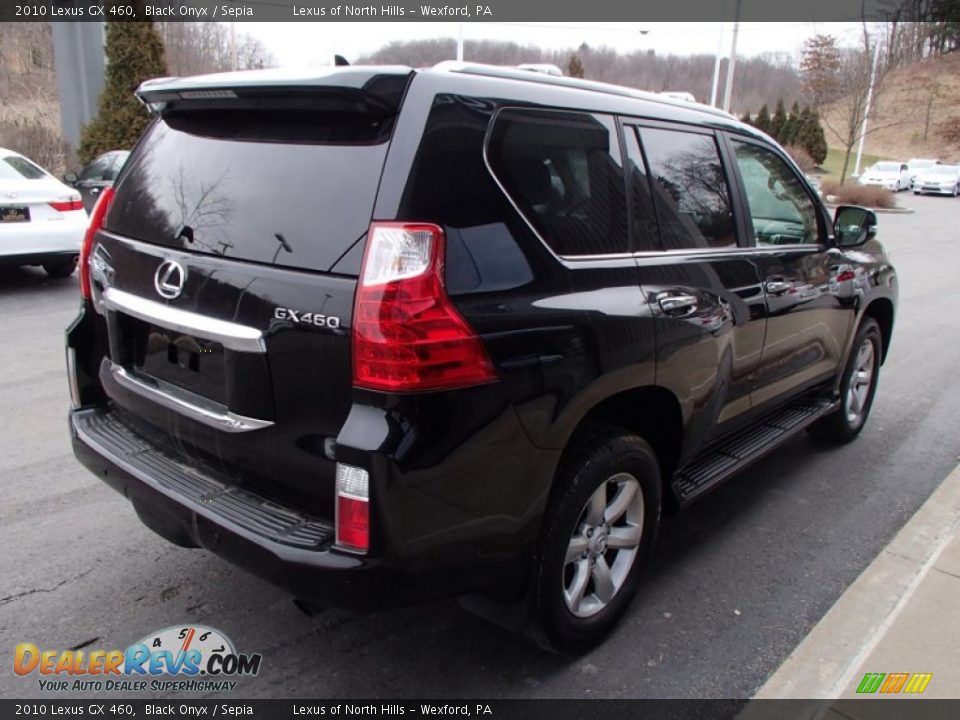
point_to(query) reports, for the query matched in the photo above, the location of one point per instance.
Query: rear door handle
(677, 304)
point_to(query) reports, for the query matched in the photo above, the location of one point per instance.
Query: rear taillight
(67, 204)
(353, 508)
(96, 222)
(407, 335)
(845, 275)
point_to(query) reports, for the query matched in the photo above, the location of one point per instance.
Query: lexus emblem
(169, 279)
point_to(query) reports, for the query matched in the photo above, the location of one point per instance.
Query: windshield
(887, 167)
(948, 170)
(14, 167)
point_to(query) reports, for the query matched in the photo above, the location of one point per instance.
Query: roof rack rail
(513, 73)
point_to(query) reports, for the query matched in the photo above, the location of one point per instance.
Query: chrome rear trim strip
(230, 335)
(215, 417)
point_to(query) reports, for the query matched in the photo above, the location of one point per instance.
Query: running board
(731, 455)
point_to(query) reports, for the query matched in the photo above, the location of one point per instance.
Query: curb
(826, 662)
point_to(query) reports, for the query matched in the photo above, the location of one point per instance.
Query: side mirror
(853, 225)
(70, 178)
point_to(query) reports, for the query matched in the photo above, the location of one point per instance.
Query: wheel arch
(652, 412)
(881, 310)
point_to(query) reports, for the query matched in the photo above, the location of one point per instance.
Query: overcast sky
(308, 43)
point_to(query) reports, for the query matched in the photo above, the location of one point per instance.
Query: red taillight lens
(353, 508)
(67, 205)
(96, 222)
(407, 335)
(844, 275)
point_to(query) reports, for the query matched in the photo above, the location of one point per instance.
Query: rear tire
(62, 269)
(857, 389)
(598, 534)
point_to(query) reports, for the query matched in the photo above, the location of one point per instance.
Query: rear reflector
(96, 222)
(67, 205)
(353, 508)
(407, 334)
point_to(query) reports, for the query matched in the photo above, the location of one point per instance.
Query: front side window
(563, 171)
(781, 211)
(689, 189)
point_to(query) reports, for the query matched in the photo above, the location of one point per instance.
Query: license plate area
(16, 214)
(189, 362)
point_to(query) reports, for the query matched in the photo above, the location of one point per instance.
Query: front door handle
(777, 287)
(674, 305)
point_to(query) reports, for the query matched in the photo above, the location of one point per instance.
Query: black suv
(380, 335)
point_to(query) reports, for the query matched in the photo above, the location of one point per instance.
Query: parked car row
(43, 220)
(922, 175)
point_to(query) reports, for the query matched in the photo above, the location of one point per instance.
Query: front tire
(62, 269)
(857, 389)
(599, 532)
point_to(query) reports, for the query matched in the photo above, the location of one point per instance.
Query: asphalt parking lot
(740, 577)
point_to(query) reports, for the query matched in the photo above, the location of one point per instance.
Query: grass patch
(834, 164)
(870, 196)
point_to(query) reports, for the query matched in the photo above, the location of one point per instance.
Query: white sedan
(890, 175)
(939, 179)
(42, 221)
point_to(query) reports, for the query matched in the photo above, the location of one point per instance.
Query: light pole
(716, 68)
(866, 109)
(728, 91)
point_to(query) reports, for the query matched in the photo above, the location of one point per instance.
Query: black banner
(915, 709)
(456, 11)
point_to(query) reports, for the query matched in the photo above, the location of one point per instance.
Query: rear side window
(291, 187)
(564, 172)
(689, 188)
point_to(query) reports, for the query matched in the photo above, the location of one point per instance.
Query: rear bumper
(38, 258)
(43, 237)
(278, 544)
(192, 508)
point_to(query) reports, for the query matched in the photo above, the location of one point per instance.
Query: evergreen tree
(779, 121)
(134, 53)
(791, 129)
(810, 136)
(745, 118)
(575, 67)
(762, 121)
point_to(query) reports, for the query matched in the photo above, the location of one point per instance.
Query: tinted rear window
(291, 187)
(18, 168)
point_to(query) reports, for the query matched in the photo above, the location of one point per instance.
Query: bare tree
(194, 48)
(845, 117)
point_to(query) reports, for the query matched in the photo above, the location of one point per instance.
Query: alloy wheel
(858, 389)
(603, 546)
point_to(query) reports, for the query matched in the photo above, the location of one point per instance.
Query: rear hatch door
(226, 269)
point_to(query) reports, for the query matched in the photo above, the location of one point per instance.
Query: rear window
(13, 167)
(291, 187)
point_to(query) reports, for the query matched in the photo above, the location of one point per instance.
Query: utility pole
(733, 61)
(866, 109)
(459, 42)
(716, 68)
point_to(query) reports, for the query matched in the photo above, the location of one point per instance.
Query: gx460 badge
(307, 318)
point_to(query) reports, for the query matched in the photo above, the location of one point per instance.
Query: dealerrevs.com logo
(180, 658)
